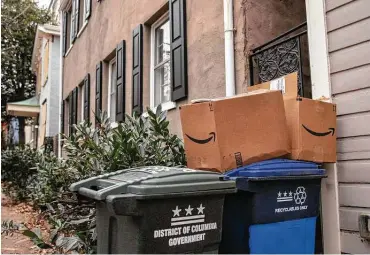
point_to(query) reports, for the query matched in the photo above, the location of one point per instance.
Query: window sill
(165, 107)
(82, 28)
(69, 49)
(114, 124)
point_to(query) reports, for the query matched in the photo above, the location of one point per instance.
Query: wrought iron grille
(280, 56)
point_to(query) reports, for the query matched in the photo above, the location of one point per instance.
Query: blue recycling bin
(275, 209)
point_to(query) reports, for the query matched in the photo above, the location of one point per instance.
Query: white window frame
(170, 104)
(85, 6)
(110, 70)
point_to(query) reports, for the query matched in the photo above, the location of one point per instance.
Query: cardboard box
(222, 134)
(311, 123)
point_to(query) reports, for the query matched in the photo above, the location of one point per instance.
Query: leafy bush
(90, 151)
(18, 165)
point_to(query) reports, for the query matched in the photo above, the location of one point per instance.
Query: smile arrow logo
(331, 131)
(204, 141)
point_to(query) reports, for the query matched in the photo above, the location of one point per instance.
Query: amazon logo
(331, 131)
(203, 141)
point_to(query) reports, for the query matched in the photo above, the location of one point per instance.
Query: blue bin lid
(276, 168)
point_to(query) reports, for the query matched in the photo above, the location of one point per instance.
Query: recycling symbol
(300, 195)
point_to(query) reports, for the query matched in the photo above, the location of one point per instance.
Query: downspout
(60, 84)
(229, 48)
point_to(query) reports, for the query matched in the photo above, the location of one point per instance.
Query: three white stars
(188, 210)
(285, 194)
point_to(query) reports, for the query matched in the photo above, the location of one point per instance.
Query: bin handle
(364, 225)
(87, 192)
(103, 193)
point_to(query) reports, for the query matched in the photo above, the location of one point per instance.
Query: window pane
(113, 77)
(162, 43)
(113, 107)
(162, 89)
(113, 80)
(82, 102)
(166, 93)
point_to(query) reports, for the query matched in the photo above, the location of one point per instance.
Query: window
(68, 28)
(86, 9)
(160, 64)
(112, 90)
(81, 17)
(82, 100)
(84, 14)
(72, 108)
(72, 14)
(75, 19)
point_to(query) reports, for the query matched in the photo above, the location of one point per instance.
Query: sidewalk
(19, 213)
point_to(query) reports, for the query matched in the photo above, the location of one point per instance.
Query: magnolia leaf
(80, 221)
(30, 234)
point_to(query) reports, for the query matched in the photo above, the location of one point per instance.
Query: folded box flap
(288, 84)
(252, 92)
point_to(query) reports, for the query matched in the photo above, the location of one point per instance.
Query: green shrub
(18, 165)
(138, 141)
(90, 151)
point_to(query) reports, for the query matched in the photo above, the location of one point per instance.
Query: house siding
(53, 83)
(348, 33)
(50, 91)
(44, 92)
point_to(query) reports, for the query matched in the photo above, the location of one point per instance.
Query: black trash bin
(157, 210)
(275, 209)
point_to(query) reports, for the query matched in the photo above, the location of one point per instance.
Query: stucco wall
(113, 21)
(257, 22)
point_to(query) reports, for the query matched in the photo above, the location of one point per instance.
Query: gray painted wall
(348, 28)
(52, 127)
(50, 92)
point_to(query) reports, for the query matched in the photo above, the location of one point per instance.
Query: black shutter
(70, 116)
(137, 69)
(75, 97)
(121, 81)
(87, 8)
(179, 73)
(86, 103)
(64, 39)
(62, 118)
(98, 88)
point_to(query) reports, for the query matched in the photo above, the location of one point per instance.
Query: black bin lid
(151, 180)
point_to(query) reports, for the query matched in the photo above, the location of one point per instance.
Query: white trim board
(321, 88)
